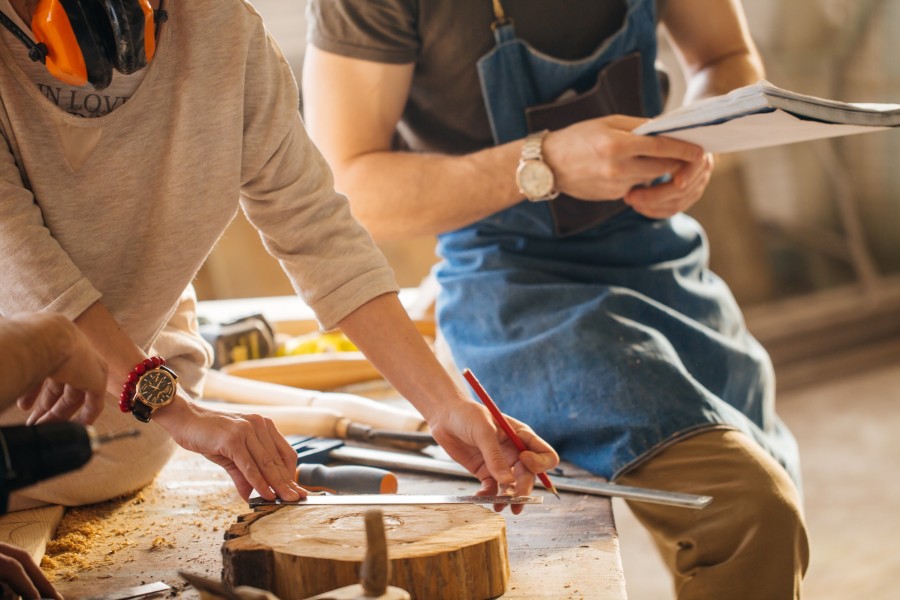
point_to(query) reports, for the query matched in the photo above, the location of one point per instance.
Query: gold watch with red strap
(150, 385)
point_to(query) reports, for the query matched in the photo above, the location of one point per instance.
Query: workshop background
(806, 235)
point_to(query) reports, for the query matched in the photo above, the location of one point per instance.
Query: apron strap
(500, 18)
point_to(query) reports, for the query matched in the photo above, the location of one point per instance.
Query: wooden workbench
(563, 549)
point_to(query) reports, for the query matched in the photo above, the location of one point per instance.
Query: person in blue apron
(596, 322)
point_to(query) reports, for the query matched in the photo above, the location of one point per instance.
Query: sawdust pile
(175, 522)
(89, 536)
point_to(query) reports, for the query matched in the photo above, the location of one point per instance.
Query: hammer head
(311, 449)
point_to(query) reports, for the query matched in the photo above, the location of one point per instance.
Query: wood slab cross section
(452, 552)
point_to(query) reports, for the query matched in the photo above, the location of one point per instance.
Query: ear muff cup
(131, 22)
(79, 52)
(87, 39)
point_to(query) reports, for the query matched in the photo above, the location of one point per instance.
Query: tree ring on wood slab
(446, 551)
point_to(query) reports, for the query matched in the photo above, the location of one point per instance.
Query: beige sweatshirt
(125, 207)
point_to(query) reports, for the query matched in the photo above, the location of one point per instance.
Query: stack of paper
(762, 114)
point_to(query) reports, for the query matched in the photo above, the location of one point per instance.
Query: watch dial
(536, 179)
(156, 387)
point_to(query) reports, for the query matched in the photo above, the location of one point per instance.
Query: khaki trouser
(750, 542)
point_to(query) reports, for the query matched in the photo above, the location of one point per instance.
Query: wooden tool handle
(230, 388)
(289, 420)
(375, 571)
(311, 371)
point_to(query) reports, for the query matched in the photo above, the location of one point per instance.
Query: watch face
(535, 179)
(156, 387)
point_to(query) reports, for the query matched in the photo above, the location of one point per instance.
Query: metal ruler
(385, 499)
(424, 464)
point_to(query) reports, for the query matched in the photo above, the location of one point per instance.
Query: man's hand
(58, 374)
(681, 192)
(600, 159)
(468, 434)
(248, 447)
(19, 571)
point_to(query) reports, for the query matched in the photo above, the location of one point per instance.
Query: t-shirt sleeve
(375, 30)
(288, 195)
(38, 274)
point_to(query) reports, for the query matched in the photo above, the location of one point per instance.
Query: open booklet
(761, 115)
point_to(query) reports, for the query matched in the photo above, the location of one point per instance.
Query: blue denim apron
(614, 342)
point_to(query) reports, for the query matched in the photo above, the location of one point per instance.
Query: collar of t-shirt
(82, 101)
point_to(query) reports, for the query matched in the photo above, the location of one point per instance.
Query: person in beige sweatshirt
(112, 196)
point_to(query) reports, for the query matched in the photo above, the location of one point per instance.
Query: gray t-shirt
(445, 38)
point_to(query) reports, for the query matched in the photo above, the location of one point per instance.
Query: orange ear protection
(82, 41)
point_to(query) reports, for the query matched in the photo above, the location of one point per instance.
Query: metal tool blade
(140, 591)
(423, 464)
(383, 499)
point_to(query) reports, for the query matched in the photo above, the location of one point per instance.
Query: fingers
(23, 575)
(65, 407)
(268, 468)
(600, 159)
(247, 446)
(79, 384)
(539, 457)
(524, 483)
(280, 462)
(495, 460)
(685, 188)
(26, 401)
(49, 393)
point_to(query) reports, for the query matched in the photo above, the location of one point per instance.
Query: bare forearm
(724, 75)
(399, 195)
(111, 342)
(121, 354)
(714, 45)
(383, 331)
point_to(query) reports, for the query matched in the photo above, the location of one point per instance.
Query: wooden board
(452, 552)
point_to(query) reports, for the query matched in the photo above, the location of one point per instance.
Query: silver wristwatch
(534, 176)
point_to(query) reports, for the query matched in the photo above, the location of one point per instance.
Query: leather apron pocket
(618, 90)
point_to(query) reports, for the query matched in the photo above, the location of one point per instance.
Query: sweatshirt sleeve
(289, 196)
(37, 273)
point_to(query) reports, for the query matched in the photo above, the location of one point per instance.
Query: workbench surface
(563, 549)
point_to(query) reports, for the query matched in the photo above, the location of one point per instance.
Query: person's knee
(755, 502)
(772, 520)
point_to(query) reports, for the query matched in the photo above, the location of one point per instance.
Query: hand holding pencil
(503, 423)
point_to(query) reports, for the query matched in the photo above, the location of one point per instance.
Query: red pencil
(504, 424)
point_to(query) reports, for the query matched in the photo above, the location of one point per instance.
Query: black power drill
(33, 453)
